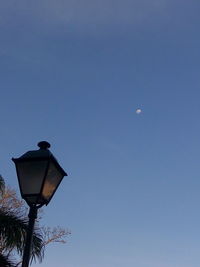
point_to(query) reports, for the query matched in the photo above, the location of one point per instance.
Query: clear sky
(73, 73)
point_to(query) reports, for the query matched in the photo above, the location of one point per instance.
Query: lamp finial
(44, 145)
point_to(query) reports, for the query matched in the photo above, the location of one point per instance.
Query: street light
(39, 175)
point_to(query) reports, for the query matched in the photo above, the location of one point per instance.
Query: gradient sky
(73, 73)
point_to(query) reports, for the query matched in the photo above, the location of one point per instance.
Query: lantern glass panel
(31, 175)
(52, 180)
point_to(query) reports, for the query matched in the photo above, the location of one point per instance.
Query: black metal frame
(35, 206)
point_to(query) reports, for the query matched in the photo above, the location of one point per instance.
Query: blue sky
(73, 73)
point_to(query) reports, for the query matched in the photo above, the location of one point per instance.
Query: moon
(138, 111)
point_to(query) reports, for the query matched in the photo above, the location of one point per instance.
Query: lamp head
(39, 175)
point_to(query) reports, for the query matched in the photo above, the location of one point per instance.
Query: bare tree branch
(10, 201)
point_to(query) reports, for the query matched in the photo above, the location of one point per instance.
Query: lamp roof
(42, 153)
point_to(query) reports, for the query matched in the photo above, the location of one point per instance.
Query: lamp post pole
(29, 235)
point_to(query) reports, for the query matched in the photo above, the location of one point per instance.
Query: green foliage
(13, 227)
(2, 185)
(13, 234)
(6, 262)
